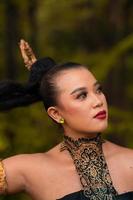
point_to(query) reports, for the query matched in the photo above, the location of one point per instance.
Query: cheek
(71, 110)
(74, 109)
(68, 106)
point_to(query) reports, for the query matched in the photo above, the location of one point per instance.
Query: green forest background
(97, 33)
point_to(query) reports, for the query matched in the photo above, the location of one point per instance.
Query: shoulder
(123, 156)
(121, 152)
(23, 163)
(22, 169)
(30, 161)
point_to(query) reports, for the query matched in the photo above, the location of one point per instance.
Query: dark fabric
(79, 196)
(125, 196)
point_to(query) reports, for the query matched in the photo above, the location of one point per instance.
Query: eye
(99, 89)
(82, 95)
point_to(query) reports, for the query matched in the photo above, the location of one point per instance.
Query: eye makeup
(82, 91)
(81, 95)
(99, 88)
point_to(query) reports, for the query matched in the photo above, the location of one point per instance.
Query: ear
(54, 113)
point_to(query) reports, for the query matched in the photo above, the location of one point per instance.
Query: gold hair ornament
(27, 53)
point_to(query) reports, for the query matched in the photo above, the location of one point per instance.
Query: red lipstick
(101, 115)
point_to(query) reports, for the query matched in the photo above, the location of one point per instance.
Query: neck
(77, 135)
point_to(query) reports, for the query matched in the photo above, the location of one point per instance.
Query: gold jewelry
(27, 54)
(3, 183)
(91, 166)
(61, 121)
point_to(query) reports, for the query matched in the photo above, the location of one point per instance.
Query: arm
(12, 174)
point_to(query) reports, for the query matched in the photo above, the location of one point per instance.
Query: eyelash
(80, 95)
(85, 93)
(100, 89)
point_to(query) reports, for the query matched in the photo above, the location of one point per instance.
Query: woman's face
(80, 99)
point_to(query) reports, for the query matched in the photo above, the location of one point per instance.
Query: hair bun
(39, 68)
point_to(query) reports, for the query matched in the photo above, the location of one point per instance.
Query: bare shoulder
(24, 168)
(34, 160)
(122, 155)
(120, 151)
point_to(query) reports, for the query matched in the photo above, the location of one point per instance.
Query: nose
(97, 101)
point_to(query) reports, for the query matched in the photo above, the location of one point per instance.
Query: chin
(101, 128)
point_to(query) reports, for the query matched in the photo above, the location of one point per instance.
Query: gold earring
(61, 121)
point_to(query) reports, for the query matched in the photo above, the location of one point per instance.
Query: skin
(79, 111)
(52, 175)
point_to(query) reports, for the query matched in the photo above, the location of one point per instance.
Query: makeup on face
(82, 98)
(82, 91)
(101, 115)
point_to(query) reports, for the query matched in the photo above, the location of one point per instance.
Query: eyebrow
(83, 88)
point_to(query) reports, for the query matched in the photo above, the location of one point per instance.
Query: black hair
(40, 86)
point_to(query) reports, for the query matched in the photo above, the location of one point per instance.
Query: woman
(83, 166)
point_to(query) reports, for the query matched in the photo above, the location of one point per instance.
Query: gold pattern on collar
(91, 166)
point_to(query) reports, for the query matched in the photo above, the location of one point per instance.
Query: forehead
(70, 79)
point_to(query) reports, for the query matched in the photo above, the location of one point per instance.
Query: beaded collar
(91, 166)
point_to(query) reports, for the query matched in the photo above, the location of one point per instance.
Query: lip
(101, 115)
